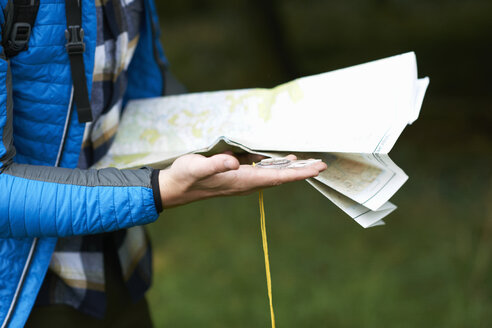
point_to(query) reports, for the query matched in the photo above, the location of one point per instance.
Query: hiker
(72, 247)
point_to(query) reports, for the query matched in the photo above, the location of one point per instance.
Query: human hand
(194, 177)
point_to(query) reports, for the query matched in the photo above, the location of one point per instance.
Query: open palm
(194, 177)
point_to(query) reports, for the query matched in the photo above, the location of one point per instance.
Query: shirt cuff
(154, 181)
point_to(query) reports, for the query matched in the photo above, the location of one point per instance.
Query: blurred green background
(430, 266)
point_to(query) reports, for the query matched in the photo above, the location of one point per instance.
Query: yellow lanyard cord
(265, 252)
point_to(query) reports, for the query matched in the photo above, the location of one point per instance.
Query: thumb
(218, 164)
(224, 162)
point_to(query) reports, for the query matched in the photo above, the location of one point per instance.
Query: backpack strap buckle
(19, 36)
(75, 40)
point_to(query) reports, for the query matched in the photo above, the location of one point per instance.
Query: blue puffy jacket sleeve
(39, 201)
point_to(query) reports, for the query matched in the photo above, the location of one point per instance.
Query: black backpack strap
(76, 47)
(20, 16)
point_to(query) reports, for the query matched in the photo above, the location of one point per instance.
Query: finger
(290, 175)
(291, 157)
(320, 166)
(259, 178)
(221, 163)
(200, 167)
(248, 179)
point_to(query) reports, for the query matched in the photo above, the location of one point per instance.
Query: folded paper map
(350, 118)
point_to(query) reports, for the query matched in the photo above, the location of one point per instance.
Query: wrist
(170, 191)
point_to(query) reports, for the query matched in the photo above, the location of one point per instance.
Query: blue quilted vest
(41, 86)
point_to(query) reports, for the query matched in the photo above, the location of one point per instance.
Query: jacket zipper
(36, 239)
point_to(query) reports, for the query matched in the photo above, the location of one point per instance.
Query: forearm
(46, 201)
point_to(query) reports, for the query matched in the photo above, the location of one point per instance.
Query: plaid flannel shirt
(76, 272)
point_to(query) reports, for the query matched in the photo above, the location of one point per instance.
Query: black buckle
(19, 37)
(75, 40)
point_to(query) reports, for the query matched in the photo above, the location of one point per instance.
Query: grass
(427, 268)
